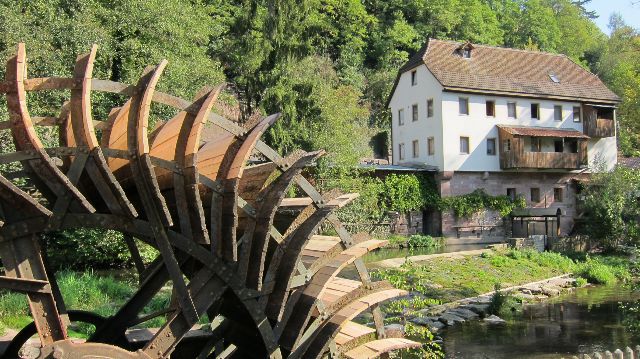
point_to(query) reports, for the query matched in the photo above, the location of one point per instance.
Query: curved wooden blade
(269, 202)
(287, 254)
(56, 184)
(104, 182)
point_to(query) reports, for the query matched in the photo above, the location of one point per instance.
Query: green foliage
(477, 201)
(430, 349)
(401, 193)
(92, 248)
(319, 113)
(596, 273)
(449, 279)
(414, 241)
(498, 299)
(580, 282)
(612, 206)
(604, 270)
(83, 291)
(409, 305)
(130, 36)
(423, 241)
(404, 193)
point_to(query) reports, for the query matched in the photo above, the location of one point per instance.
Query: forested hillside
(328, 65)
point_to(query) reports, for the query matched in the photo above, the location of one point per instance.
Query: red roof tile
(509, 72)
(543, 131)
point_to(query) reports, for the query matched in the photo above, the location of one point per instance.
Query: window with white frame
(401, 151)
(490, 108)
(511, 110)
(463, 105)
(464, 145)
(557, 113)
(430, 107)
(576, 114)
(491, 146)
(431, 147)
(535, 111)
(414, 78)
(416, 148)
(414, 112)
(400, 117)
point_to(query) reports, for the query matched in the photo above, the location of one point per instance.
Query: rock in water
(464, 313)
(450, 319)
(494, 319)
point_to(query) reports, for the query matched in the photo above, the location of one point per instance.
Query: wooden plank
(320, 332)
(379, 347)
(316, 290)
(289, 203)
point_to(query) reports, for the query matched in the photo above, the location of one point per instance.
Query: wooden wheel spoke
(209, 211)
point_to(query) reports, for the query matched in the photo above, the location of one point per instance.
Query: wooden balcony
(542, 160)
(516, 153)
(599, 121)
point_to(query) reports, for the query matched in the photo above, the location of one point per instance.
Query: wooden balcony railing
(598, 121)
(549, 160)
(599, 127)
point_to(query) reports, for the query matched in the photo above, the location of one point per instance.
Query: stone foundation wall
(408, 223)
(496, 183)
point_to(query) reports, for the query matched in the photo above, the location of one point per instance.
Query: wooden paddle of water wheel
(268, 290)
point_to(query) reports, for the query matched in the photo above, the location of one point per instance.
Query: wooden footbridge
(268, 291)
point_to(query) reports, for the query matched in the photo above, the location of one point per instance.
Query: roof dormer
(465, 50)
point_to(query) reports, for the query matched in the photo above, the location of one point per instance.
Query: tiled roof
(543, 131)
(509, 72)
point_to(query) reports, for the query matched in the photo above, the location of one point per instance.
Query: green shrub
(397, 240)
(420, 240)
(478, 200)
(486, 254)
(580, 282)
(497, 300)
(499, 261)
(596, 272)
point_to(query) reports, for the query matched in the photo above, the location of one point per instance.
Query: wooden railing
(627, 353)
(553, 160)
(599, 127)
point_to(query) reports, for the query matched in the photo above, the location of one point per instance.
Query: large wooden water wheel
(268, 290)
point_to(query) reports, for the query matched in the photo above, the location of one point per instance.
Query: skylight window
(554, 78)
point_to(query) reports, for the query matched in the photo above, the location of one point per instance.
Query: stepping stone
(551, 291)
(450, 319)
(479, 309)
(421, 321)
(464, 313)
(494, 319)
(435, 326)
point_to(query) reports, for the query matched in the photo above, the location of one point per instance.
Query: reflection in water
(587, 320)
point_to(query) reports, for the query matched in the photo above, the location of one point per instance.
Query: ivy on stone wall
(409, 192)
(479, 200)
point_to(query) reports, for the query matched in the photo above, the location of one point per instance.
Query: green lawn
(84, 291)
(449, 279)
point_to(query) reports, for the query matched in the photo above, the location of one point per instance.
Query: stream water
(586, 320)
